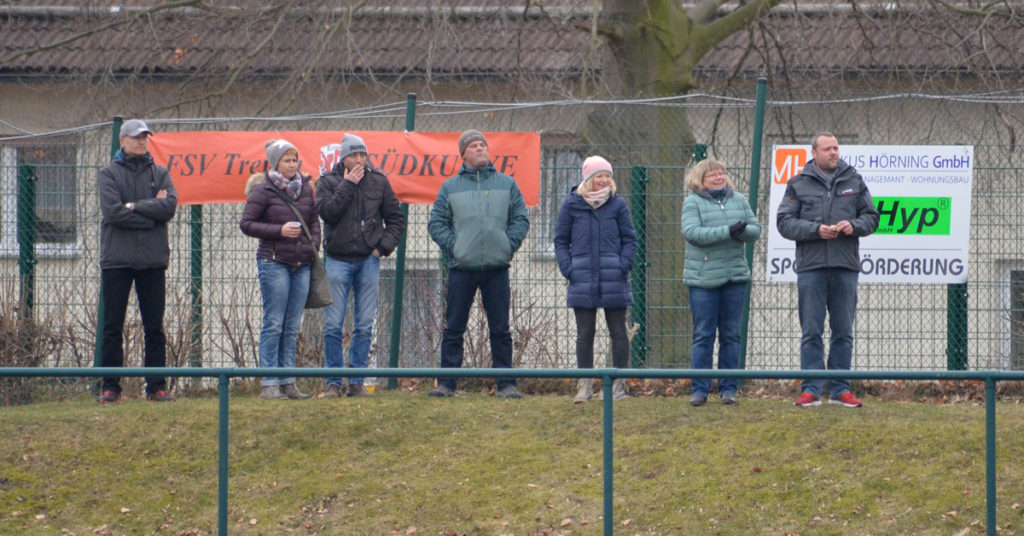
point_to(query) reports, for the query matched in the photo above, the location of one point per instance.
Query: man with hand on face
(826, 209)
(479, 219)
(363, 222)
(137, 199)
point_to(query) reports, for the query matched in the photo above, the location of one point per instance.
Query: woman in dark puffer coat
(284, 256)
(595, 244)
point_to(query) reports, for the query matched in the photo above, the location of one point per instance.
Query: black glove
(737, 228)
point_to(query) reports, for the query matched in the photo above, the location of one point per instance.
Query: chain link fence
(50, 295)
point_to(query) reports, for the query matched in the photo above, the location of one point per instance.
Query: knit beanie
(468, 137)
(592, 165)
(351, 143)
(275, 150)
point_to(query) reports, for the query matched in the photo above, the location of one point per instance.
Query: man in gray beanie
(363, 222)
(479, 219)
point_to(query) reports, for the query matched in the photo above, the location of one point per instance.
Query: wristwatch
(130, 206)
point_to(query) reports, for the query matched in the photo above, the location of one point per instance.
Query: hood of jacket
(254, 180)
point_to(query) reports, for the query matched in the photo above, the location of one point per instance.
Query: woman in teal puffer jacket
(717, 221)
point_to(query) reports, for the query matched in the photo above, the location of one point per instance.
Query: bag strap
(295, 209)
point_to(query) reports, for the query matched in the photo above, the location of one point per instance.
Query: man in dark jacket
(826, 209)
(137, 199)
(363, 222)
(479, 219)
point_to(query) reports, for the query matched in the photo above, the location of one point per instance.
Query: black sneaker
(442, 391)
(509, 391)
(159, 396)
(109, 397)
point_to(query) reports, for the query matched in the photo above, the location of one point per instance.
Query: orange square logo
(788, 162)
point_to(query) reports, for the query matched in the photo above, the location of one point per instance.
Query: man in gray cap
(137, 199)
(479, 219)
(363, 222)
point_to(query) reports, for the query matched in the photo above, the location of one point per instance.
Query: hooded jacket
(713, 258)
(135, 239)
(358, 218)
(595, 250)
(811, 201)
(479, 219)
(266, 212)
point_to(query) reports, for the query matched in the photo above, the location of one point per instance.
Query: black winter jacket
(809, 203)
(135, 239)
(358, 218)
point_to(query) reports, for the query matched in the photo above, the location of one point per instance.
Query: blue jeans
(833, 290)
(284, 289)
(716, 310)
(363, 280)
(496, 295)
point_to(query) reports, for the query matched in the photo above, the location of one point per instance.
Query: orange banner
(212, 167)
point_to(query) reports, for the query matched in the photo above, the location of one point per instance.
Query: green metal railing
(606, 375)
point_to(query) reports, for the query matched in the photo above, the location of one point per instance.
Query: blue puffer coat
(595, 250)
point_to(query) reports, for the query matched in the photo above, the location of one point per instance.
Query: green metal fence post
(752, 196)
(609, 447)
(638, 200)
(27, 180)
(990, 456)
(195, 347)
(396, 310)
(115, 145)
(222, 456)
(956, 326)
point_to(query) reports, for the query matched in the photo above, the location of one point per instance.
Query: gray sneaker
(334, 391)
(442, 391)
(291, 391)
(271, 392)
(728, 398)
(509, 391)
(698, 399)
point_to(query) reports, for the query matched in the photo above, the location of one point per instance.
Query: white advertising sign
(923, 193)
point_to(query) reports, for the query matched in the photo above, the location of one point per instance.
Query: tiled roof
(467, 38)
(474, 38)
(831, 42)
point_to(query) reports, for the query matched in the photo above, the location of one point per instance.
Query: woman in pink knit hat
(595, 244)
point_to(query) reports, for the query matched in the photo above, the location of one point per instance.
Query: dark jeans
(150, 291)
(496, 294)
(831, 290)
(586, 326)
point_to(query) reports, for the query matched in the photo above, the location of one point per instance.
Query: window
(559, 172)
(58, 203)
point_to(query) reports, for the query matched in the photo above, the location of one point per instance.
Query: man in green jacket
(479, 220)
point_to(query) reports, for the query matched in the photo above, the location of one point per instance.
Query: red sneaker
(846, 399)
(159, 396)
(109, 397)
(806, 400)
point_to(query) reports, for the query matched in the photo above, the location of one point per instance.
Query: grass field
(407, 464)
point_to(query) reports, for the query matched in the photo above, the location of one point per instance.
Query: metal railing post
(195, 347)
(990, 456)
(609, 447)
(97, 359)
(396, 309)
(752, 197)
(638, 201)
(956, 326)
(222, 457)
(27, 228)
